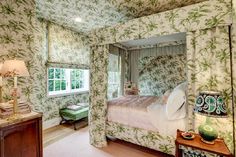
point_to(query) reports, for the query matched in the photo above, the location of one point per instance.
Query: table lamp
(14, 68)
(1, 100)
(209, 104)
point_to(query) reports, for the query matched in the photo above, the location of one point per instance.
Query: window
(77, 79)
(66, 81)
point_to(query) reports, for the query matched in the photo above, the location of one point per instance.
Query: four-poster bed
(207, 37)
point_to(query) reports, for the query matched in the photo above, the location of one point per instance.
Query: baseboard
(51, 123)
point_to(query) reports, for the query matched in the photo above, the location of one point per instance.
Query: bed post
(98, 95)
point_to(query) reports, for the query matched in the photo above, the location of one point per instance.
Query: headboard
(158, 74)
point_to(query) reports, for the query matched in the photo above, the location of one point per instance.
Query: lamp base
(14, 117)
(208, 142)
(207, 132)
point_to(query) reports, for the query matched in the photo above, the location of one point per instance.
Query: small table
(219, 148)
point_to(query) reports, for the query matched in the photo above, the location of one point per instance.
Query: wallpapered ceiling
(200, 21)
(101, 13)
(159, 74)
(22, 36)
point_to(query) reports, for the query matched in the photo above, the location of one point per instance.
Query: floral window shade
(67, 47)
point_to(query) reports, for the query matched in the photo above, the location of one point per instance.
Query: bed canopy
(207, 25)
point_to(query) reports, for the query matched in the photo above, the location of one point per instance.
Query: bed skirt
(142, 137)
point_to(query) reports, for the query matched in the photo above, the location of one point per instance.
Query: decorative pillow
(175, 102)
(166, 96)
(179, 114)
(183, 86)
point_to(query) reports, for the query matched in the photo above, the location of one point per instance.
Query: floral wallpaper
(24, 37)
(190, 18)
(17, 40)
(159, 74)
(208, 56)
(101, 13)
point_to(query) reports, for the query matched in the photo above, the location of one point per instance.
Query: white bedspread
(143, 112)
(131, 111)
(157, 116)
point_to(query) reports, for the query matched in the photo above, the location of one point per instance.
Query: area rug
(77, 145)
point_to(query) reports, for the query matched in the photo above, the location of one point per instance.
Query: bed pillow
(166, 96)
(174, 104)
(183, 86)
(180, 114)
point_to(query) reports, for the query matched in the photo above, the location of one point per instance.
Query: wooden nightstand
(219, 148)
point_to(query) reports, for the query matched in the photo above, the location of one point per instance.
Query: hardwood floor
(63, 141)
(59, 132)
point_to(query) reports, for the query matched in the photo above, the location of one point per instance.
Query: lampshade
(210, 103)
(14, 68)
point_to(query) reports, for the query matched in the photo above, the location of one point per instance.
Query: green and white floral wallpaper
(17, 39)
(101, 13)
(159, 74)
(23, 36)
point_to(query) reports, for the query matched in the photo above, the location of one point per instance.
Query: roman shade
(66, 49)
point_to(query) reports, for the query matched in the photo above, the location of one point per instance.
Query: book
(6, 109)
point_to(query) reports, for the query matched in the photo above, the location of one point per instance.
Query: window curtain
(98, 95)
(137, 54)
(122, 65)
(66, 49)
(125, 75)
(114, 78)
(209, 68)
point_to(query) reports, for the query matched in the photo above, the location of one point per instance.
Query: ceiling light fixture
(78, 19)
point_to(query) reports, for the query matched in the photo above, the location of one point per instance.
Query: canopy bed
(208, 67)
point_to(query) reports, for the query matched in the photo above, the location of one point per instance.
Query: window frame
(68, 90)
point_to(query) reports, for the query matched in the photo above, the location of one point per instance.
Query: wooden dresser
(22, 137)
